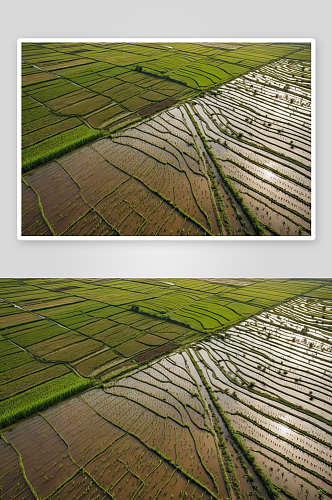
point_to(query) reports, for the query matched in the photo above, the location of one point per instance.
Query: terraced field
(244, 411)
(182, 140)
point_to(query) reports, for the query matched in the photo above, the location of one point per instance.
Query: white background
(172, 18)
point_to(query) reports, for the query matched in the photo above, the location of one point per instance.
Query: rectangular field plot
(179, 139)
(244, 413)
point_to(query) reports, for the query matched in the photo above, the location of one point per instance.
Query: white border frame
(168, 40)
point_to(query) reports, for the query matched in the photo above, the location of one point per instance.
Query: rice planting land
(149, 139)
(178, 388)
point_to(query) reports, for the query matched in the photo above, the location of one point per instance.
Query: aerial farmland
(166, 389)
(165, 139)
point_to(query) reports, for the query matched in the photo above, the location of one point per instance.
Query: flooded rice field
(244, 414)
(233, 161)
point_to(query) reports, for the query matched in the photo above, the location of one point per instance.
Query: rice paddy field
(150, 139)
(166, 388)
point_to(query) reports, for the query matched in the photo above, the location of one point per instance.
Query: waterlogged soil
(12, 480)
(59, 195)
(241, 473)
(272, 215)
(44, 455)
(33, 223)
(81, 486)
(278, 471)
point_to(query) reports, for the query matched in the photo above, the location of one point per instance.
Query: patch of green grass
(196, 320)
(32, 380)
(75, 352)
(58, 145)
(41, 397)
(15, 360)
(152, 340)
(95, 362)
(130, 348)
(46, 132)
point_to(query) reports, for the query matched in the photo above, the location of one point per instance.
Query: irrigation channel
(244, 414)
(233, 161)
